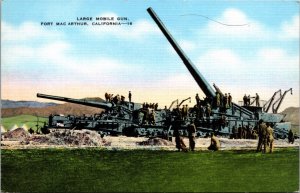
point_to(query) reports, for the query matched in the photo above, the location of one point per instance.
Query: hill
(17, 104)
(292, 115)
(66, 109)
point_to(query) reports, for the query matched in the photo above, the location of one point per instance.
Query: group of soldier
(150, 105)
(265, 137)
(223, 101)
(117, 99)
(202, 108)
(244, 132)
(264, 132)
(148, 111)
(246, 100)
(191, 129)
(182, 112)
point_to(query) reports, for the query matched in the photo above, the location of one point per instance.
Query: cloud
(290, 29)
(268, 66)
(138, 30)
(27, 31)
(187, 45)
(220, 58)
(237, 24)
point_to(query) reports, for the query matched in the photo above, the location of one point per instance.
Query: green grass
(20, 120)
(96, 170)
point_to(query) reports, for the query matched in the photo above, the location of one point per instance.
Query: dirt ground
(21, 139)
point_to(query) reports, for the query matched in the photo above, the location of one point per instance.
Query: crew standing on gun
(197, 99)
(129, 96)
(257, 100)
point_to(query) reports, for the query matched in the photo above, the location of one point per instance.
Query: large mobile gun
(101, 105)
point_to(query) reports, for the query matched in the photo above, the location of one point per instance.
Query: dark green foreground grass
(95, 170)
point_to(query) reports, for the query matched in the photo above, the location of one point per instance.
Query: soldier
(262, 136)
(129, 96)
(240, 132)
(145, 111)
(214, 143)
(156, 106)
(257, 100)
(233, 135)
(122, 99)
(218, 102)
(152, 118)
(197, 99)
(245, 100)
(178, 140)
(225, 103)
(254, 134)
(184, 111)
(291, 137)
(229, 100)
(244, 132)
(248, 132)
(106, 95)
(270, 138)
(248, 100)
(208, 110)
(116, 99)
(192, 135)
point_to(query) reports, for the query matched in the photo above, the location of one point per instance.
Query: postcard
(102, 96)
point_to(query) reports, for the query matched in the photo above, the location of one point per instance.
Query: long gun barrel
(76, 101)
(206, 88)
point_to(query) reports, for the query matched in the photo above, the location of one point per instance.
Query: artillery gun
(133, 119)
(221, 119)
(118, 118)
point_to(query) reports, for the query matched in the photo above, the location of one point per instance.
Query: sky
(244, 47)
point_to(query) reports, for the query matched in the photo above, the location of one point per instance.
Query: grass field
(96, 170)
(28, 120)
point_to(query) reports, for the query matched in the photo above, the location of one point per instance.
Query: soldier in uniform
(152, 118)
(214, 143)
(291, 137)
(178, 140)
(225, 103)
(245, 100)
(129, 96)
(229, 100)
(234, 136)
(262, 136)
(257, 100)
(208, 110)
(218, 102)
(184, 111)
(192, 135)
(106, 97)
(122, 99)
(248, 100)
(197, 99)
(239, 132)
(270, 138)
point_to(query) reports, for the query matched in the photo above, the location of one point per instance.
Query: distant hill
(16, 104)
(292, 115)
(66, 109)
(50, 108)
